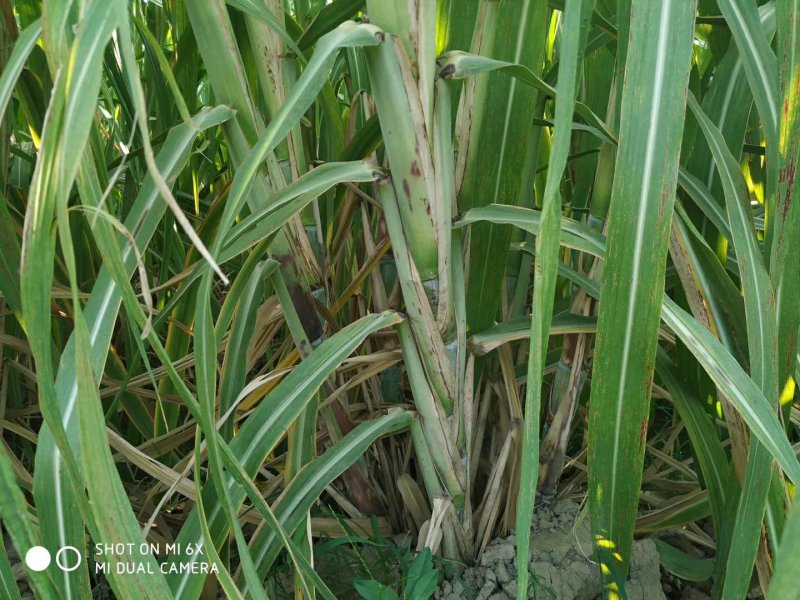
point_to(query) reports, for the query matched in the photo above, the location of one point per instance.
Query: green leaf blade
(653, 104)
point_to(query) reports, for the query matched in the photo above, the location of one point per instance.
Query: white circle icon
(37, 558)
(61, 561)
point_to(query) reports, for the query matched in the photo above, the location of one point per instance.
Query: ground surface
(561, 548)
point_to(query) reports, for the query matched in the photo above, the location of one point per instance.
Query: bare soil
(561, 561)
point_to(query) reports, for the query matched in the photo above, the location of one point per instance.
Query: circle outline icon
(77, 553)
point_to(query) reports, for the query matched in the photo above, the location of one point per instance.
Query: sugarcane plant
(277, 271)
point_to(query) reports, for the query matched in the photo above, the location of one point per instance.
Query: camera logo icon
(68, 558)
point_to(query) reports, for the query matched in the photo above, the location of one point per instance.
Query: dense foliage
(280, 270)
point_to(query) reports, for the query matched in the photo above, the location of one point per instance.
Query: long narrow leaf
(653, 105)
(575, 24)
